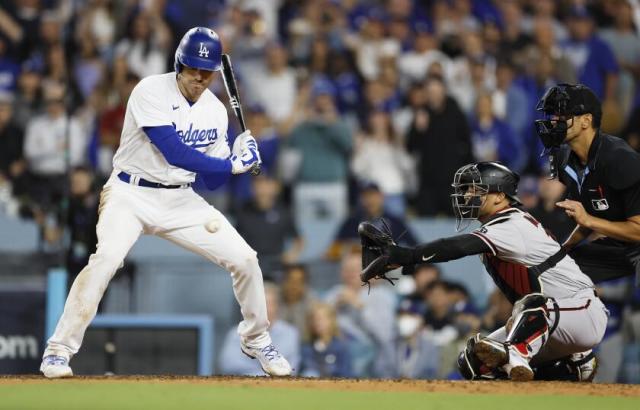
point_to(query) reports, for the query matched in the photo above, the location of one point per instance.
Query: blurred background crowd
(361, 109)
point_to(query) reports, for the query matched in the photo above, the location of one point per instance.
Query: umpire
(602, 176)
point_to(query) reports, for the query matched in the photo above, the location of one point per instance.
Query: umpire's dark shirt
(609, 185)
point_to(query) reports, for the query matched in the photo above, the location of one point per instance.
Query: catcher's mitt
(376, 240)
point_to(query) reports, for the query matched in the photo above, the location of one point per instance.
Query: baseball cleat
(54, 367)
(521, 373)
(586, 365)
(492, 353)
(271, 361)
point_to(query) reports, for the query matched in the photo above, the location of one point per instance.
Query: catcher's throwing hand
(376, 243)
(575, 211)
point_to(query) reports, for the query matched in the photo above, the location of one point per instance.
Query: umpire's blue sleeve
(166, 139)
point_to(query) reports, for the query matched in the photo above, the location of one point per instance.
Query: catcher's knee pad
(470, 367)
(529, 324)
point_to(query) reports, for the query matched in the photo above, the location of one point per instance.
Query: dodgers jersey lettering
(518, 241)
(157, 101)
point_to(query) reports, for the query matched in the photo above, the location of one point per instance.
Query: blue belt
(143, 182)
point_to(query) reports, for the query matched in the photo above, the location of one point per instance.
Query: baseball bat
(231, 86)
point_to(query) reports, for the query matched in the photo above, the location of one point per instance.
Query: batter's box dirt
(427, 386)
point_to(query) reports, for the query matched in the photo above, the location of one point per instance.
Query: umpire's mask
(560, 104)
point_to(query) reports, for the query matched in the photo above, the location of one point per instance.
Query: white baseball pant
(180, 216)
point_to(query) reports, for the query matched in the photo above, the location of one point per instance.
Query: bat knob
(255, 170)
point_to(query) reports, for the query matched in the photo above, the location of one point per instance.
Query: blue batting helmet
(200, 48)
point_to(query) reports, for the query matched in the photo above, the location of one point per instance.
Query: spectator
(403, 116)
(20, 24)
(324, 144)
(590, 56)
(511, 105)
(380, 158)
(440, 135)
(28, 101)
(367, 320)
(12, 163)
(438, 317)
(82, 220)
(414, 64)
(110, 124)
(144, 48)
(631, 132)
(89, 68)
(470, 73)
(417, 357)
(514, 38)
(297, 298)
(9, 69)
(492, 139)
(233, 361)
(327, 354)
(546, 44)
(98, 21)
(268, 226)
(53, 143)
(624, 41)
(423, 276)
(548, 214)
(545, 10)
(268, 140)
(273, 85)
(372, 207)
(371, 46)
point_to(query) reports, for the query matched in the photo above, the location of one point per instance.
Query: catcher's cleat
(586, 365)
(491, 352)
(521, 373)
(271, 361)
(54, 367)
(495, 354)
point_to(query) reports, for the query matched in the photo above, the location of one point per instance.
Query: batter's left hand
(575, 211)
(240, 142)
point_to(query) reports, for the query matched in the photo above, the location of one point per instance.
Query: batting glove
(239, 142)
(248, 157)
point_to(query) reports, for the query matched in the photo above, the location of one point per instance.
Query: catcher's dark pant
(601, 260)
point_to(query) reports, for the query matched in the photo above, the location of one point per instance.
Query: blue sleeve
(166, 139)
(213, 181)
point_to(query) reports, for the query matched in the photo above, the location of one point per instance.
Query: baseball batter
(174, 128)
(556, 313)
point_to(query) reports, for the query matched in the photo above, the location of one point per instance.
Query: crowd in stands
(361, 108)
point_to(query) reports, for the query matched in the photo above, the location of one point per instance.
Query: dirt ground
(431, 386)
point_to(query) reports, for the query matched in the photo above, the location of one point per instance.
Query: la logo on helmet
(203, 52)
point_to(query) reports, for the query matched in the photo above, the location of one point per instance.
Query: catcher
(557, 316)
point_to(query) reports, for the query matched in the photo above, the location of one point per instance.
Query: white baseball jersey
(157, 101)
(518, 241)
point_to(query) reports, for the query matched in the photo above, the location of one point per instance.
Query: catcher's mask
(471, 184)
(560, 104)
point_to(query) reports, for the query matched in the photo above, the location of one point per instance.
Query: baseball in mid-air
(213, 225)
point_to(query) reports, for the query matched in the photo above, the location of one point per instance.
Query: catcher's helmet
(472, 181)
(200, 48)
(565, 101)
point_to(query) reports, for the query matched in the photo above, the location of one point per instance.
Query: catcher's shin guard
(529, 325)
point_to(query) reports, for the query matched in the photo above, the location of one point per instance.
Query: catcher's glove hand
(376, 241)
